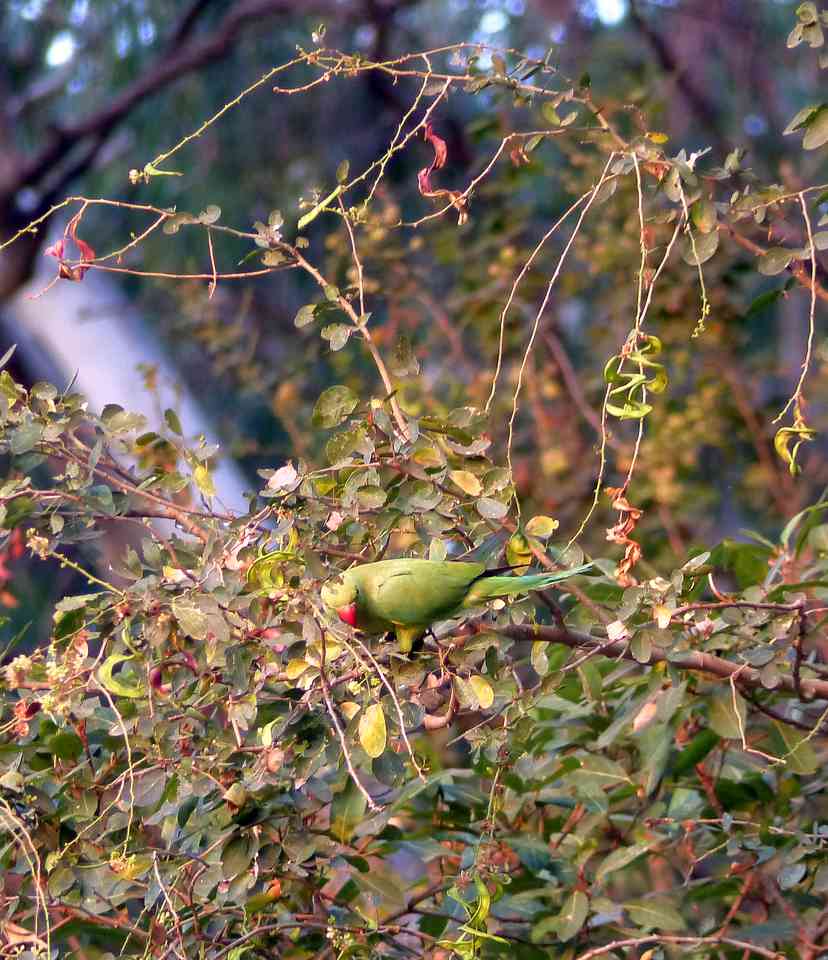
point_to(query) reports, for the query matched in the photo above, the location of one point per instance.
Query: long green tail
(499, 586)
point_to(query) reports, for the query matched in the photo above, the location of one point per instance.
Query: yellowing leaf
(373, 734)
(332, 648)
(542, 527)
(114, 684)
(483, 691)
(236, 794)
(540, 662)
(349, 708)
(662, 615)
(467, 482)
(518, 553)
(645, 716)
(204, 480)
(128, 868)
(617, 630)
(295, 668)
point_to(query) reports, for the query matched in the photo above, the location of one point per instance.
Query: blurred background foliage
(704, 73)
(626, 733)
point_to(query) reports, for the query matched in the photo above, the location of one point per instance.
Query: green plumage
(408, 595)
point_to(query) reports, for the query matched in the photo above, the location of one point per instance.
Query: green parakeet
(408, 595)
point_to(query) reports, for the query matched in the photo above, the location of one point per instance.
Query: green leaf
(373, 734)
(722, 716)
(763, 301)
(654, 913)
(572, 916)
(519, 552)
(816, 133)
(25, 437)
(403, 361)
(550, 114)
(706, 244)
(634, 410)
(607, 188)
(801, 118)
(492, 509)
(371, 497)
(539, 659)
(65, 745)
(333, 406)
(703, 215)
(641, 646)
(336, 334)
(774, 261)
(433, 924)
(685, 804)
(236, 857)
(619, 859)
(342, 171)
(347, 811)
(191, 620)
(800, 757)
(304, 315)
(695, 751)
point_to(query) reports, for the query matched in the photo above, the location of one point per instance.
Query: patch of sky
(61, 49)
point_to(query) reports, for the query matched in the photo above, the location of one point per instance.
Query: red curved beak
(348, 614)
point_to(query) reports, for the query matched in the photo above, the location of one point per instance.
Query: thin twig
(393, 694)
(326, 694)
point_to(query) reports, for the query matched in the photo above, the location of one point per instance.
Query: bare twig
(346, 753)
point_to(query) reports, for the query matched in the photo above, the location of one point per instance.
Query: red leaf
(69, 271)
(86, 252)
(440, 148)
(457, 200)
(424, 181)
(56, 249)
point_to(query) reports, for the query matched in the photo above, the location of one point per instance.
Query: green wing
(412, 592)
(492, 586)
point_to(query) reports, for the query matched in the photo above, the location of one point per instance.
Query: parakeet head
(339, 595)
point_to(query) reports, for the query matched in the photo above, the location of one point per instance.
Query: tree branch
(186, 24)
(796, 268)
(705, 110)
(168, 68)
(692, 660)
